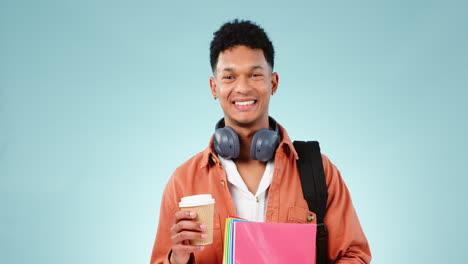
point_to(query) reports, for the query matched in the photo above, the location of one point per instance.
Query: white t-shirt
(248, 206)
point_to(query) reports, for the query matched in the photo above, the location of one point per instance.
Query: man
(265, 189)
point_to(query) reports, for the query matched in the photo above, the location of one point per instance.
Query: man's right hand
(183, 230)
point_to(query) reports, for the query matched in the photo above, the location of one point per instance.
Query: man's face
(243, 82)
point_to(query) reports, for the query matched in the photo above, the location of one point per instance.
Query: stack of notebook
(248, 242)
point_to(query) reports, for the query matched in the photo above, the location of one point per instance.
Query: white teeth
(245, 103)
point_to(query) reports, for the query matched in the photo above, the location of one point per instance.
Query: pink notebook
(273, 243)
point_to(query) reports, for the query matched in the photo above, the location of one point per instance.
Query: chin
(244, 121)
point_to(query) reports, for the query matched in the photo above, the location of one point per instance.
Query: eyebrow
(228, 69)
(257, 67)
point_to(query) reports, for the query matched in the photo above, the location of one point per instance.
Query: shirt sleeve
(162, 244)
(346, 240)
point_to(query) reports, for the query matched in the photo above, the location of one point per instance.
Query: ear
(274, 82)
(213, 87)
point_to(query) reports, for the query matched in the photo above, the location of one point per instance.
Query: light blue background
(101, 100)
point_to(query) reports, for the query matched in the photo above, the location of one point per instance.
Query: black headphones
(263, 146)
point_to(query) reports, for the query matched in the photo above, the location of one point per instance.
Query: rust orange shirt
(203, 174)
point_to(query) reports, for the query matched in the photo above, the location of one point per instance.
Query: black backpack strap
(315, 190)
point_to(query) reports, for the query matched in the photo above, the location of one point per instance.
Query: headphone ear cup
(264, 144)
(226, 143)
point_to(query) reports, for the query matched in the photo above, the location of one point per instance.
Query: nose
(242, 85)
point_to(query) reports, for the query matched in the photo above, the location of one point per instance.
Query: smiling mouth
(245, 102)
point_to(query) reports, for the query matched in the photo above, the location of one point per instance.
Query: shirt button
(258, 200)
(310, 218)
(222, 183)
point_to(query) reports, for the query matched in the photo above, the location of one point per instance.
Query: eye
(228, 77)
(256, 75)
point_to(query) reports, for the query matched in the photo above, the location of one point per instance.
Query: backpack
(315, 190)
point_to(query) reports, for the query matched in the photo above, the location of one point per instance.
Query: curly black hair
(240, 32)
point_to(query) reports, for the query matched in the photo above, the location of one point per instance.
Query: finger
(187, 225)
(180, 237)
(180, 215)
(186, 249)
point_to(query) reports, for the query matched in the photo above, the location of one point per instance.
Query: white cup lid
(196, 200)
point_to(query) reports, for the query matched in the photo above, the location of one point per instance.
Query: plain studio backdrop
(101, 100)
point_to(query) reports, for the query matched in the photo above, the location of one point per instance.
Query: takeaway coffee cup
(203, 205)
